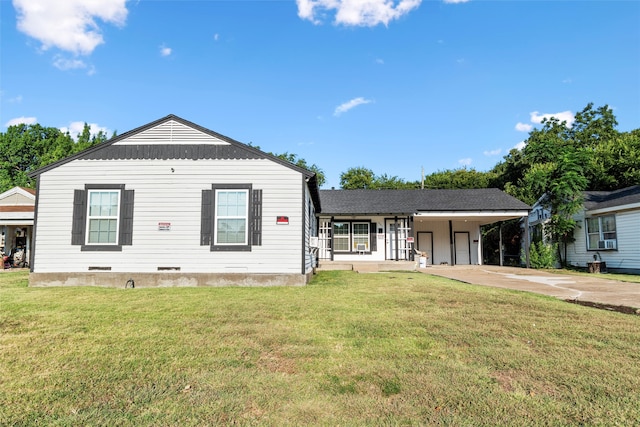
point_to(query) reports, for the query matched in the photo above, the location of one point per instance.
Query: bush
(542, 255)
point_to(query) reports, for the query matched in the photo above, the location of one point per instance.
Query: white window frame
(115, 217)
(244, 216)
(361, 238)
(600, 233)
(339, 239)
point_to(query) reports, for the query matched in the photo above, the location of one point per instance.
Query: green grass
(394, 348)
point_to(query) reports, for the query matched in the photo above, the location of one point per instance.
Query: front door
(463, 248)
(425, 244)
(396, 239)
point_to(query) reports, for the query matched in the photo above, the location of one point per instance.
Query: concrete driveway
(596, 288)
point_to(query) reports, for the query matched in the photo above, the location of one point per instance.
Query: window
(341, 236)
(361, 235)
(231, 217)
(102, 217)
(348, 235)
(601, 233)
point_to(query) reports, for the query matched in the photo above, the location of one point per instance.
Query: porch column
(411, 234)
(527, 241)
(501, 252)
(332, 242)
(452, 249)
(396, 237)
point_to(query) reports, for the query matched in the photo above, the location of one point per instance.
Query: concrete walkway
(595, 288)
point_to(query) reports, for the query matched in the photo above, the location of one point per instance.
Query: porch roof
(485, 204)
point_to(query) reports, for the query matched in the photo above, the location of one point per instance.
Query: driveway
(595, 288)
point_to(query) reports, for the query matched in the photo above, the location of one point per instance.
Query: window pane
(102, 230)
(593, 225)
(360, 235)
(340, 228)
(231, 230)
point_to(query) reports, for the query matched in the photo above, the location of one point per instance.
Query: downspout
(451, 244)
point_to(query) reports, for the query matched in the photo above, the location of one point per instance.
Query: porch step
(368, 266)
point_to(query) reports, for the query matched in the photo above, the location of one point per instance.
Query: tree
(357, 178)
(293, 158)
(459, 178)
(25, 148)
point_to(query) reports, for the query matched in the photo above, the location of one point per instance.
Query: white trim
(618, 208)
(99, 217)
(471, 214)
(18, 190)
(245, 217)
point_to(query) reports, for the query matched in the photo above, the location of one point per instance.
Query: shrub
(543, 255)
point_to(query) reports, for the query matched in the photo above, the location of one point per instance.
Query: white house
(173, 204)
(379, 225)
(608, 230)
(16, 223)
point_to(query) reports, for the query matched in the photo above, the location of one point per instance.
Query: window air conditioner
(607, 244)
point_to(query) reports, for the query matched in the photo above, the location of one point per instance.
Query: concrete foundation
(165, 279)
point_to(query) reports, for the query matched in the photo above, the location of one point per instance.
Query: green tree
(25, 148)
(459, 178)
(293, 158)
(357, 178)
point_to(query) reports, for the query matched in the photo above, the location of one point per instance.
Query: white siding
(170, 191)
(628, 235)
(171, 132)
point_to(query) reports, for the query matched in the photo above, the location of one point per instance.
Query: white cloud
(359, 13)
(69, 25)
(563, 116)
(16, 100)
(165, 50)
(21, 120)
(76, 128)
(343, 108)
(455, 1)
(64, 64)
(380, 61)
(523, 127)
(493, 152)
(216, 37)
(465, 162)
(520, 145)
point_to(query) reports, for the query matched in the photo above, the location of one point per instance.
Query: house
(608, 230)
(173, 204)
(379, 225)
(16, 224)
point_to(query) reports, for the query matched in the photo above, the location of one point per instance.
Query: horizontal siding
(175, 197)
(626, 256)
(171, 132)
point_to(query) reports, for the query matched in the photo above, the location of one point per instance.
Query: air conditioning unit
(313, 242)
(607, 244)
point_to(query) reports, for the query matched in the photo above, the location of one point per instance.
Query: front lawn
(396, 348)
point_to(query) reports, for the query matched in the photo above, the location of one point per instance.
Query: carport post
(500, 246)
(527, 242)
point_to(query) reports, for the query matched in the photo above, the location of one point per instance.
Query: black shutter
(79, 211)
(205, 218)
(126, 218)
(256, 217)
(373, 237)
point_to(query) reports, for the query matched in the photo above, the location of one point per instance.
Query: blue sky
(393, 86)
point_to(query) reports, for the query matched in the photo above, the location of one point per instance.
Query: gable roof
(609, 199)
(362, 202)
(203, 144)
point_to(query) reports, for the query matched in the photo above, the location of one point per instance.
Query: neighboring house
(173, 204)
(608, 229)
(16, 222)
(377, 225)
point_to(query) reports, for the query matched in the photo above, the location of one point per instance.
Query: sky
(395, 86)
